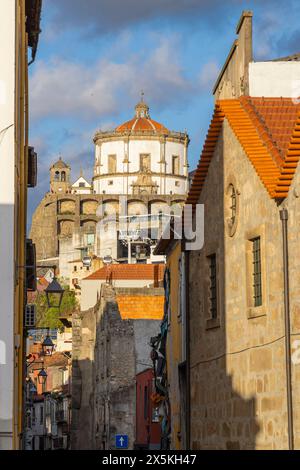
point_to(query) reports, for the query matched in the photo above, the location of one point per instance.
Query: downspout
(187, 350)
(284, 218)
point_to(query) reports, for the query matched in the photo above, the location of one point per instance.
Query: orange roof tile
(152, 272)
(141, 307)
(268, 129)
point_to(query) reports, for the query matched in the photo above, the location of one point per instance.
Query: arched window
(56, 176)
(63, 176)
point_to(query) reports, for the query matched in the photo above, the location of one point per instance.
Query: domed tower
(141, 156)
(60, 177)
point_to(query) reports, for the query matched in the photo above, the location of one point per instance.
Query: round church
(141, 156)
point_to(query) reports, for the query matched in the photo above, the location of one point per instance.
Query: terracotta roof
(153, 272)
(141, 307)
(268, 129)
(142, 124)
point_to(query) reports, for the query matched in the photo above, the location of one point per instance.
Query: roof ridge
(264, 130)
(255, 148)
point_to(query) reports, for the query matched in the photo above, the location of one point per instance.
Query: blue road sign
(121, 441)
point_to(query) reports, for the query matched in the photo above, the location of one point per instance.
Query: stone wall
(108, 352)
(61, 221)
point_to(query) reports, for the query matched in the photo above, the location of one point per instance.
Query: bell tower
(60, 177)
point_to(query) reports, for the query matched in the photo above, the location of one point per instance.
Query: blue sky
(95, 56)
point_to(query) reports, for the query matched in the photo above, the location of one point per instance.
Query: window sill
(213, 323)
(256, 312)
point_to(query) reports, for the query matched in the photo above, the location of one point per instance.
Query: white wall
(275, 79)
(7, 202)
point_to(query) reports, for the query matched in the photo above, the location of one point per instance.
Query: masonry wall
(108, 352)
(115, 374)
(238, 378)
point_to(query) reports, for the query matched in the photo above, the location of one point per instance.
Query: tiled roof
(141, 307)
(268, 129)
(142, 124)
(154, 272)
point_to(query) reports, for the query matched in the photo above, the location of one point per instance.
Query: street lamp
(47, 345)
(54, 293)
(42, 376)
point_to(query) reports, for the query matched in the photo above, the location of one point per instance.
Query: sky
(95, 56)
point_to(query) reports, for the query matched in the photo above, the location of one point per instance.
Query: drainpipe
(187, 350)
(284, 218)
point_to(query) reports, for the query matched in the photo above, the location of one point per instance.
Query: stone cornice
(137, 173)
(111, 136)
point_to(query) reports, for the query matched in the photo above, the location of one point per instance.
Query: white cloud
(65, 88)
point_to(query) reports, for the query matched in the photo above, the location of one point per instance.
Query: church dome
(142, 121)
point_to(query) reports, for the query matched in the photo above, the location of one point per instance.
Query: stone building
(240, 357)
(19, 38)
(110, 347)
(242, 287)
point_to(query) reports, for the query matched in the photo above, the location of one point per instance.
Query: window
(63, 176)
(56, 176)
(256, 272)
(110, 182)
(75, 268)
(175, 165)
(81, 185)
(112, 163)
(256, 282)
(145, 162)
(213, 286)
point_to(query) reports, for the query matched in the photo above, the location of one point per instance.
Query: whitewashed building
(141, 146)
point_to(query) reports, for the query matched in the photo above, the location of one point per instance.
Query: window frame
(109, 159)
(141, 167)
(212, 322)
(254, 311)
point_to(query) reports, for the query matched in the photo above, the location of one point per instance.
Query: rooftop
(154, 272)
(268, 129)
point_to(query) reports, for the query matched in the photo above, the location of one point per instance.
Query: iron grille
(257, 287)
(213, 286)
